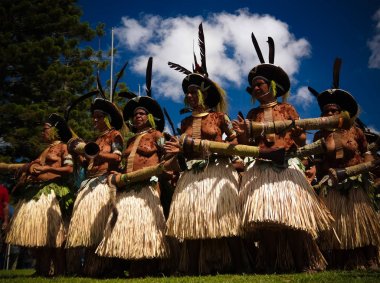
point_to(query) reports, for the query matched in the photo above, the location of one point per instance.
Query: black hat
(150, 105)
(60, 124)
(109, 108)
(339, 97)
(335, 95)
(212, 95)
(269, 71)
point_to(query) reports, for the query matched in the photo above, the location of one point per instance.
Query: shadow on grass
(19, 273)
(339, 276)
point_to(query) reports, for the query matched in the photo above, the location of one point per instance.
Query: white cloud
(374, 44)
(302, 98)
(229, 51)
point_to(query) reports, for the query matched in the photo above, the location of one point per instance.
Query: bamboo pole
(317, 147)
(78, 146)
(174, 163)
(277, 155)
(374, 147)
(332, 122)
(10, 167)
(340, 174)
(199, 145)
(122, 180)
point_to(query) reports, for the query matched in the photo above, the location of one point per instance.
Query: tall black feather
(100, 85)
(257, 48)
(196, 67)
(119, 75)
(202, 48)
(361, 124)
(127, 94)
(313, 91)
(170, 121)
(179, 68)
(241, 114)
(148, 77)
(77, 101)
(336, 72)
(271, 50)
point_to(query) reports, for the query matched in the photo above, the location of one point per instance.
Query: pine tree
(43, 66)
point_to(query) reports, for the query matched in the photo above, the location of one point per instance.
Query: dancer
(94, 201)
(281, 211)
(356, 222)
(44, 189)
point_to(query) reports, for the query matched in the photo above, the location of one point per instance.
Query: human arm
(63, 164)
(116, 150)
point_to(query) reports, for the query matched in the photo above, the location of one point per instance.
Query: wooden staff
(10, 167)
(341, 121)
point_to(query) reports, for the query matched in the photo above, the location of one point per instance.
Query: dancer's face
(98, 119)
(330, 110)
(192, 96)
(140, 119)
(260, 91)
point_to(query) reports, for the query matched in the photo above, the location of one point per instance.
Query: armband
(68, 160)
(116, 148)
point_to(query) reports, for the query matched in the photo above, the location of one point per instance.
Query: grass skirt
(136, 229)
(356, 222)
(37, 223)
(205, 204)
(90, 213)
(279, 198)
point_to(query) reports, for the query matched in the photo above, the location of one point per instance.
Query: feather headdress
(215, 96)
(269, 71)
(336, 95)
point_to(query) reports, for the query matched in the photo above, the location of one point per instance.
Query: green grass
(14, 276)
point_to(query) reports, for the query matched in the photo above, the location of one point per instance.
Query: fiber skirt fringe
(90, 213)
(206, 204)
(281, 197)
(356, 222)
(136, 229)
(37, 223)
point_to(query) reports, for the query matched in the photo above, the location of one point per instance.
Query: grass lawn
(13, 276)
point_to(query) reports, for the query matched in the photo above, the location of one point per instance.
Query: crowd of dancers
(218, 197)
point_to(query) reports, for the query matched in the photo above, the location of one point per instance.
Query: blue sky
(308, 36)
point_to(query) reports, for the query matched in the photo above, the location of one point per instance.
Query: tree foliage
(43, 66)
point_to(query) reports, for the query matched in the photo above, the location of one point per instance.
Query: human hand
(172, 146)
(113, 178)
(297, 131)
(239, 125)
(310, 174)
(37, 169)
